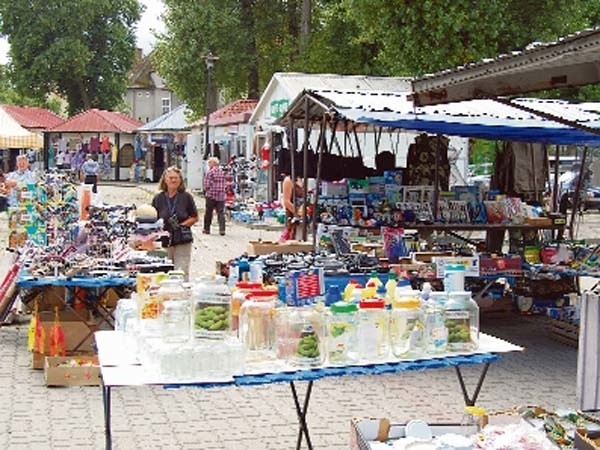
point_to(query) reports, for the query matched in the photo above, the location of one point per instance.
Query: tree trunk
(247, 18)
(305, 24)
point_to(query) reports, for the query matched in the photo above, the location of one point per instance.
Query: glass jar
(373, 330)
(454, 277)
(171, 288)
(257, 324)
(175, 321)
(461, 316)
(212, 308)
(407, 325)
(306, 336)
(436, 333)
(238, 296)
(341, 334)
(125, 314)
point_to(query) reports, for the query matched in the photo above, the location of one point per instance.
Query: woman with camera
(178, 210)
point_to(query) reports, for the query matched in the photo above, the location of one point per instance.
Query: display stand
(120, 367)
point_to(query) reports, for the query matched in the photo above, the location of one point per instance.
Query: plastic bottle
(349, 289)
(390, 288)
(373, 283)
(454, 278)
(341, 334)
(426, 291)
(407, 325)
(436, 333)
(373, 329)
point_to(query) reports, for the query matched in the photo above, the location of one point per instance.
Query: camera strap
(172, 204)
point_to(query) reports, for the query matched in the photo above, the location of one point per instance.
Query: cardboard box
(586, 439)
(38, 361)
(363, 430)
(266, 247)
(427, 257)
(72, 371)
(74, 329)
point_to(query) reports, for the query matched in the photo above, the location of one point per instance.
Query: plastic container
(461, 317)
(390, 288)
(238, 297)
(257, 324)
(371, 286)
(125, 314)
(333, 295)
(407, 328)
(212, 308)
(436, 333)
(454, 278)
(305, 333)
(342, 341)
(373, 330)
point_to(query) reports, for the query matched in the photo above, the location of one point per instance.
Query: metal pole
(575, 202)
(207, 147)
(320, 150)
(556, 175)
(305, 172)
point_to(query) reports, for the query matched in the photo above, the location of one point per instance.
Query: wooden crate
(564, 332)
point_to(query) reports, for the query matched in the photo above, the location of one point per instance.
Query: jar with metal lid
(341, 334)
(306, 336)
(461, 316)
(257, 324)
(407, 325)
(125, 314)
(373, 329)
(212, 308)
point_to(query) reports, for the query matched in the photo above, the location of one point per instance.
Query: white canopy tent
(13, 135)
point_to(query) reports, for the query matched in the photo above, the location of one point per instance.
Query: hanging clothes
(421, 161)
(105, 145)
(95, 145)
(114, 153)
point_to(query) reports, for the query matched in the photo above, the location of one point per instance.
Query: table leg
(470, 401)
(301, 411)
(106, 402)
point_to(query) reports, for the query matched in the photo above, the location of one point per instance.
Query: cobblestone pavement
(34, 416)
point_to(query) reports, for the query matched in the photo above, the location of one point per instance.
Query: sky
(149, 23)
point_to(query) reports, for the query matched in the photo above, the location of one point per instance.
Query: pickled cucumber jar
(461, 316)
(238, 297)
(407, 325)
(212, 307)
(373, 329)
(342, 342)
(257, 324)
(306, 336)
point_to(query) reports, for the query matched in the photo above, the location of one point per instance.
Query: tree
(80, 50)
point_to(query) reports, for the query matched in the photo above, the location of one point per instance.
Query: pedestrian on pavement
(292, 196)
(214, 194)
(178, 210)
(90, 170)
(22, 175)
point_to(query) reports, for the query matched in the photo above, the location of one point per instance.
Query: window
(166, 105)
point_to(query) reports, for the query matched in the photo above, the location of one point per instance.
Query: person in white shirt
(90, 170)
(22, 175)
(60, 159)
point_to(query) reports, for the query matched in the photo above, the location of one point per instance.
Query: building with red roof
(109, 135)
(33, 118)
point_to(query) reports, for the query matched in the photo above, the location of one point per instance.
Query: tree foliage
(255, 38)
(81, 49)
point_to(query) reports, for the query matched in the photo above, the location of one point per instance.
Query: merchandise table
(120, 367)
(95, 287)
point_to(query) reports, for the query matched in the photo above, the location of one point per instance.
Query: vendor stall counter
(120, 367)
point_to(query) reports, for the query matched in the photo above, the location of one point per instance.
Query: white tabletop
(120, 366)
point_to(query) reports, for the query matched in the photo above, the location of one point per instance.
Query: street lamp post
(210, 60)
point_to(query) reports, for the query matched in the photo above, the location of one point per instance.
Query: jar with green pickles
(212, 305)
(306, 336)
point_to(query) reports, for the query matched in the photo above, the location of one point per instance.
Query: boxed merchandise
(72, 371)
(369, 433)
(587, 440)
(75, 331)
(471, 264)
(266, 247)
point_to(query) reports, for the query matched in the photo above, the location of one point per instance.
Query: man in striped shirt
(214, 193)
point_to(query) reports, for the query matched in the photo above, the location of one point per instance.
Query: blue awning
(485, 119)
